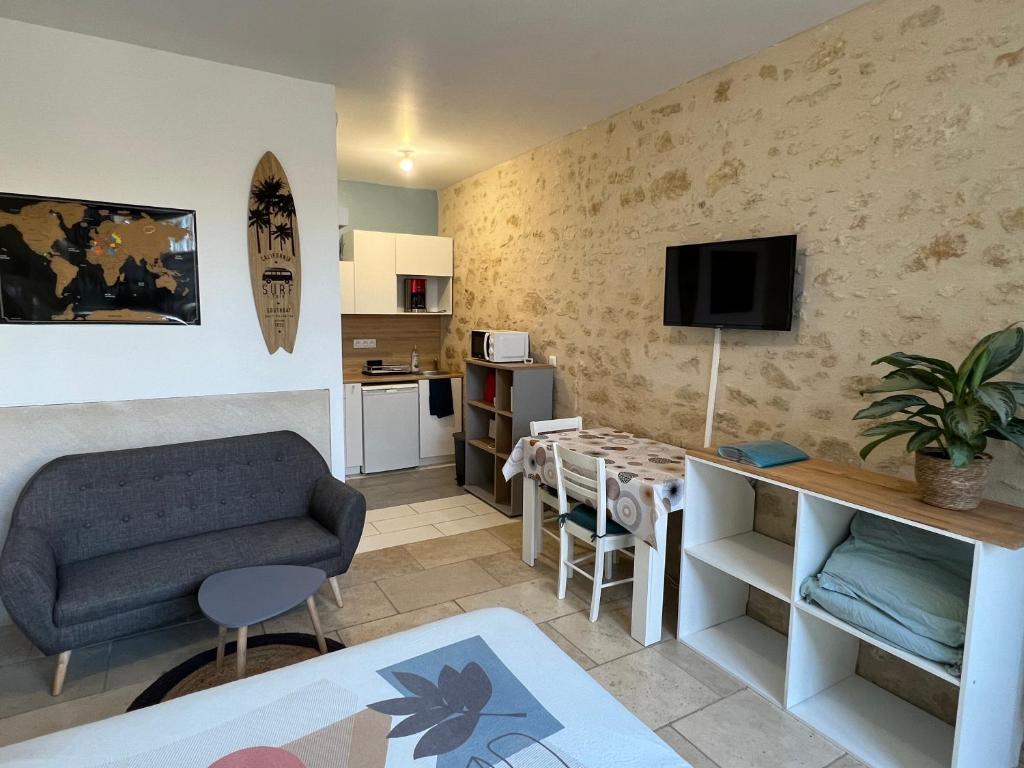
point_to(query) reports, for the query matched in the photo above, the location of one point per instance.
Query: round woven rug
(263, 653)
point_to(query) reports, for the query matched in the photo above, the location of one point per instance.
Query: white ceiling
(466, 83)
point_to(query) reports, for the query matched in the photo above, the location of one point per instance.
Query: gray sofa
(108, 544)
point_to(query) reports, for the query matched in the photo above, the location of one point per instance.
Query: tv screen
(733, 284)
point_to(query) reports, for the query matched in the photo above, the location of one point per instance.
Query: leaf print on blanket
(456, 700)
(450, 709)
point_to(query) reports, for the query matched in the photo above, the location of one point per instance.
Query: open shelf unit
(812, 671)
(522, 393)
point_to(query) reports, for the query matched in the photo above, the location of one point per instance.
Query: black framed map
(80, 260)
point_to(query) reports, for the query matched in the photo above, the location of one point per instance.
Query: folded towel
(764, 453)
(441, 401)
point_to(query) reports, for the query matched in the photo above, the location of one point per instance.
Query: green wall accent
(381, 208)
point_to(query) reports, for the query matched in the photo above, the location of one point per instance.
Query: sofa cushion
(101, 586)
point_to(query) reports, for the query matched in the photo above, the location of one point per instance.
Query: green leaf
(979, 368)
(923, 438)
(905, 379)
(960, 452)
(875, 443)
(903, 360)
(894, 428)
(1016, 388)
(1012, 431)
(1003, 347)
(889, 405)
(1006, 347)
(999, 398)
(967, 421)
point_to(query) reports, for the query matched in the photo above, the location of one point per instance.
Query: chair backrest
(581, 477)
(555, 425)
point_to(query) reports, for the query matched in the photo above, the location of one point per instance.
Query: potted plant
(949, 433)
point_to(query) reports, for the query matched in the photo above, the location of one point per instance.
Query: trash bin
(460, 457)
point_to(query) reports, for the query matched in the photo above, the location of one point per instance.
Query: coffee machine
(415, 294)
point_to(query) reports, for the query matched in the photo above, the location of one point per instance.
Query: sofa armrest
(340, 509)
(28, 586)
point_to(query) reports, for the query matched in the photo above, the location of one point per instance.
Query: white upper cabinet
(374, 273)
(375, 264)
(423, 255)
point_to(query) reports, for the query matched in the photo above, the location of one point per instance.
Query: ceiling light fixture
(406, 162)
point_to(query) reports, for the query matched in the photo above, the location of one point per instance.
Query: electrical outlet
(552, 360)
(364, 343)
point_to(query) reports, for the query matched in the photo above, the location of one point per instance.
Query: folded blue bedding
(905, 585)
(763, 453)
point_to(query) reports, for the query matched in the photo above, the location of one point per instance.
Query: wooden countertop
(362, 378)
(992, 522)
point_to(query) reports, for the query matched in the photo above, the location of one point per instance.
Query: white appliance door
(391, 434)
(353, 427)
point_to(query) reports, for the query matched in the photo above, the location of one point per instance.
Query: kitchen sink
(433, 373)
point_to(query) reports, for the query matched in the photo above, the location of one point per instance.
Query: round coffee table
(241, 597)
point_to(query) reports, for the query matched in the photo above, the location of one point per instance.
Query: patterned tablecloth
(645, 477)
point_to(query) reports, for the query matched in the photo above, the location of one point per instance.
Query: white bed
(474, 691)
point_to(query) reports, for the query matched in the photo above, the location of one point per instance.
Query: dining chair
(582, 478)
(549, 496)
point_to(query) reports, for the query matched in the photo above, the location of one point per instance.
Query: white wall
(94, 119)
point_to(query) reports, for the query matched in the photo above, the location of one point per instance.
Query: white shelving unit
(812, 671)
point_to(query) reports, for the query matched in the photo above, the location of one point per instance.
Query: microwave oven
(500, 346)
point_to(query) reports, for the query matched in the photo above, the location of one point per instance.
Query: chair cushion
(586, 516)
(110, 584)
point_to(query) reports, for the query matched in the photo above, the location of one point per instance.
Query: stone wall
(890, 139)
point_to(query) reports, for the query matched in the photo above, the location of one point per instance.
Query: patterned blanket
(481, 690)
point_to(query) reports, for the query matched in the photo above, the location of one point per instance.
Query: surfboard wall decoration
(274, 263)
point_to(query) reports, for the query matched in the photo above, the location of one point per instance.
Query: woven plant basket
(943, 485)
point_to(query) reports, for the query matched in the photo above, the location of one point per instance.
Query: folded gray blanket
(904, 585)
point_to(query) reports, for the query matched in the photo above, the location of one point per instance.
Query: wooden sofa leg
(60, 672)
(336, 590)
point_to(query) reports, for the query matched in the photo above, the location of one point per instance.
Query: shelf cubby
(812, 671)
(824, 691)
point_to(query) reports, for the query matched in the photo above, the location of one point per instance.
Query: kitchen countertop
(362, 378)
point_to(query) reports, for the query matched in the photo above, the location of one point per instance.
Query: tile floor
(706, 715)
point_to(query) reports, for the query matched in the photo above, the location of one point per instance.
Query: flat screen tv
(733, 284)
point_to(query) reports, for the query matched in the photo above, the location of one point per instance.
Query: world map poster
(79, 260)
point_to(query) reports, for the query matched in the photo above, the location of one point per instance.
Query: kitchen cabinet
(374, 286)
(423, 255)
(353, 427)
(436, 434)
(347, 281)
(377, 263)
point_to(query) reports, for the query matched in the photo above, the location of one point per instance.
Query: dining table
(644, 486)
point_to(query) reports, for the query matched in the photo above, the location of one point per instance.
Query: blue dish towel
(764, 453)
(441, 401)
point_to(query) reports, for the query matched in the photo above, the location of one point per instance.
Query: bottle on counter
(414, 360)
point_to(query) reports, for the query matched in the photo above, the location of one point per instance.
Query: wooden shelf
(758, 560)
(485, 406)
(488, 496)
(992, 522)
(877, 727)
(530, 389)
(929, 666)
(748, 649)
(483, 443)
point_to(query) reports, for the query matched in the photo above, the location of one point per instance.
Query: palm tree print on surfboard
(274, 265)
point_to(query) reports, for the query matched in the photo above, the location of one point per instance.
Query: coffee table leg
(222, 636)
(315, 618)
(243, 636)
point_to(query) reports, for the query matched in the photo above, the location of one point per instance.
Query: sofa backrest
(92, 504)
